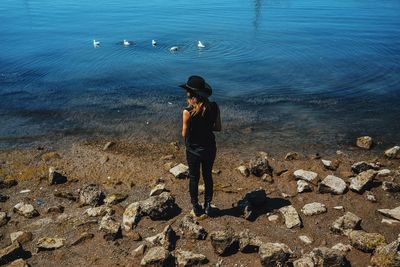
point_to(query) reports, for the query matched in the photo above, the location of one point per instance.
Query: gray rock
(313, 208)
(157, 257)
(260, 166)
(250, 202)
(159, 207)
(303, 186)
(349, 221)
(248, 242)
(393, 153)
(387, 255)
(390, 221)
(224, 242)
(364, 142)
(139, 251)
(191, 229)
(366, 242)
(362, 181)
(330, 165)
(108, 145)
(292, 156)
(56, 177)
(3, 218)
(306, 240)
(158, 189)
(308, 176)
(110, 227)
(304, 261)
(363, 166)
(131, 216)
(18, 263)
(50, 243)
(21, 237)
(244, 170)
(274, 254)
(99, 211)
(180, 171)
(383, 173)
(342, 247)
(371, 197)
(187, 258)
(91, 195)
(323, 256)
(166, 238)
(114, 199)
(292, 218)
(26, 210)
(332, 184)
(391, 213)
(391, 187)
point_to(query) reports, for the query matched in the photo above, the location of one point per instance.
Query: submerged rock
(274, 254)
(91, 195)
(332, 184)
(364, 142)
(292, 218)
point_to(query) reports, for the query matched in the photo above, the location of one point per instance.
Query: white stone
(273, 218)
(179, 171)
(305, 239)
(303, 186)
(313, 208)
(383, 173)
(342, 247)
(391, 213)
(308, 176)
(393, 153)
(332, 184)
(26, 210)
(361, 181)
(390, 221)
(131, 216)
(292, 218)
(244, 170)
(338, 208)
(99, 211)
(158, 189)
(371, 197)
(50, 243)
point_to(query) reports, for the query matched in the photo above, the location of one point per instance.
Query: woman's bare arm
(185, 122)
(217, 125)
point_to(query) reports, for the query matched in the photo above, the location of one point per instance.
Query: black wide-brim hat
(198, 86)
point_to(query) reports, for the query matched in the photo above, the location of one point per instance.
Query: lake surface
(287, 74)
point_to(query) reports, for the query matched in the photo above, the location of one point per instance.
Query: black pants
(204, 158)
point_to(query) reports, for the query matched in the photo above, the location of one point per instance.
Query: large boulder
(157, 256)
(362, 181)
(292, 218)
(260, 166)
(332, 184)
(363, 166)
(187, 258)
(313, 208)
(91, 195)
(391, 213)
(364, 142)
(349, 221)
(366, 242)
(274, 254)
(308, 176)
(191, 229)
(224, 242)
(26, 210)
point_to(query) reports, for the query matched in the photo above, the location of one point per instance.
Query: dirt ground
(134, 169)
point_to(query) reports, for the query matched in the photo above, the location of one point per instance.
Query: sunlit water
(287, 74)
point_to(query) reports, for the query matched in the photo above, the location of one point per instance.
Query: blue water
(286, 73)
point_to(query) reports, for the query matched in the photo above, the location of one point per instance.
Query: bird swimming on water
(174, 49)
(153, 42)
(200, 45)
(96, 43)
(126, 43)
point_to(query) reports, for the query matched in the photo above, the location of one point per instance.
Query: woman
(200, 119)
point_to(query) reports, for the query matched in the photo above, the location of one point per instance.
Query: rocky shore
(110, 203)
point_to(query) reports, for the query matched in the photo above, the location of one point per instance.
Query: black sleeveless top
(200, 128)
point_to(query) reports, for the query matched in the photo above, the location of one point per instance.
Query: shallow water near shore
(287, 74)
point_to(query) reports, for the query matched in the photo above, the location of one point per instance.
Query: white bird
(96, 43)
(200, 45)
(126, 43)
(153, 42)
(173, 49)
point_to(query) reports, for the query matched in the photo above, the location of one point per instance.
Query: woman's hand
(185, 122)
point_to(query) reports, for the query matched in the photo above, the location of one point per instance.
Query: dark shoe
(197, 210)
(208, 209)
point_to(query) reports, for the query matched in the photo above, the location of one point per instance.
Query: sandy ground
(134, 169)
